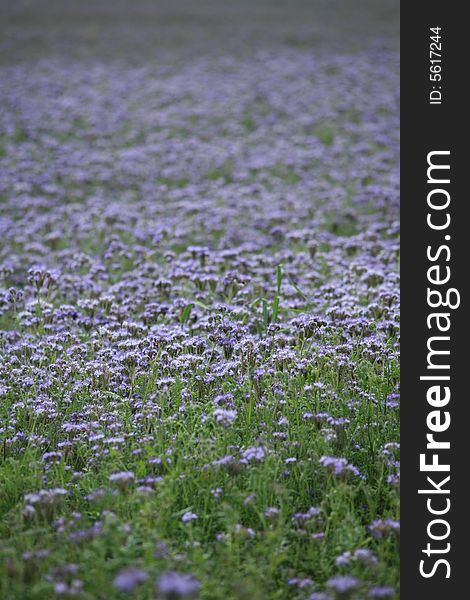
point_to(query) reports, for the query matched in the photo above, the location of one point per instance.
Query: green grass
(240, 564)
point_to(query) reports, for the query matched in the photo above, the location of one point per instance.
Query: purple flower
(366, 556)
(246, 532)
(381, 592)
(128, 579)
(313, 511)
(300, 582)
(189, 516)
(382, 527)
(173, 585)
(343, 560)
(343, 585)
(122, 479)
(46, 497)
(224, 417)
(225, 460)
(71, 590)
(254, 454)
(338, 466)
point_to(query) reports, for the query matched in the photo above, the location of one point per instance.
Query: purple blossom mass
(128, 579)
(343, 585)
(189, 516)
(173, 585)
(199, 299)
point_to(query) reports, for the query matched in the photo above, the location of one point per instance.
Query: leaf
(186, 312)
(265, 313)
(298, 290)
(275, 309)
(279, 279)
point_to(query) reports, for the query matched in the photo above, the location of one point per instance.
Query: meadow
(199, 300)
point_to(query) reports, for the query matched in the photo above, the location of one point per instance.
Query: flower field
(199, 310)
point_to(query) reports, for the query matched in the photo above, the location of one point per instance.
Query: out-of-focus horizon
(107, 29)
